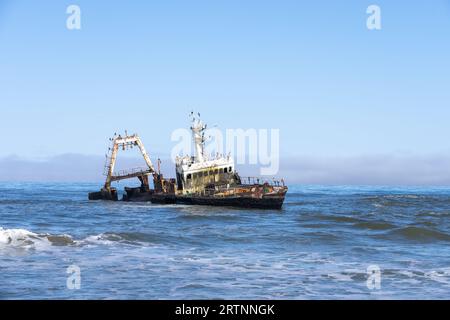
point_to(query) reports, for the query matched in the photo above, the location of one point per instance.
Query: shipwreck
(200, 179)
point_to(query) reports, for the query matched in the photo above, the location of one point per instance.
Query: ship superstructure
(195, 173)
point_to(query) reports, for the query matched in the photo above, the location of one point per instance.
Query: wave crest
(22, 238)
(420, 234)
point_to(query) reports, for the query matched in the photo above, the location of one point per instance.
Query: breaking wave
(25, 239)
(130, 238)
(22, 238)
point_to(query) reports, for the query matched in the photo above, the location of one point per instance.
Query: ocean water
(319, 246)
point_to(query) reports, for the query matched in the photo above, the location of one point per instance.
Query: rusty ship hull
(234, 201)
(248, 199)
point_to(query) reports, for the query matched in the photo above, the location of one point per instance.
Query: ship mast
(198, 135)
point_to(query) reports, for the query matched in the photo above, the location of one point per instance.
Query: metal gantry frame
(124, 143)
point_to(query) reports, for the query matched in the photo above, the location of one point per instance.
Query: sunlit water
(318, 246)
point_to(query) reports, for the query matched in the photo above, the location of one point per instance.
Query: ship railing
(259, 180)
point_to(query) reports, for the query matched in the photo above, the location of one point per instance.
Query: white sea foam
(21, 238)
(25, 239)
(101, 239)
(439, 275)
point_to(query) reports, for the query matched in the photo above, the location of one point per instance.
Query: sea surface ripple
(319, 246)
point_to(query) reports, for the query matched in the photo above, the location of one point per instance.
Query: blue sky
(312, 69)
